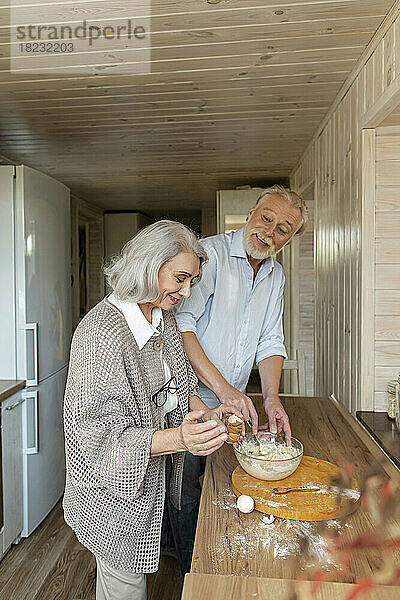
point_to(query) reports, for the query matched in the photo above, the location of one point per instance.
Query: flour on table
(226, 501)
(352, 494)
(281, 539)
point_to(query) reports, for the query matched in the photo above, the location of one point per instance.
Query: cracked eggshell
(268, 519)
(245, 503)
(235, 420)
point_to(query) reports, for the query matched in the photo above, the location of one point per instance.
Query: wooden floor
(52, 565)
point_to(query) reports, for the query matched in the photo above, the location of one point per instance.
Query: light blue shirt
(236, 320)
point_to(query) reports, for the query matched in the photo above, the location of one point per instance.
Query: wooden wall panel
(387, 329)
(383, 375)
(305, 337)
(369, 83)
(388, 57)
(387, 302)
(386, 174)
(352, 286)
(387, 277)
(387, 250)
(397, 46)
(96, 260)
(336, 235)
(367, 283)
(378, 71)
(387, 353)
(75, 261)
(380, 401)
(387, 148)
(387, 264)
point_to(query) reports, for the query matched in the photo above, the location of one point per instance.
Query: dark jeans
(179, 526)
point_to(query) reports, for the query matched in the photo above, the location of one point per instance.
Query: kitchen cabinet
(11, 446)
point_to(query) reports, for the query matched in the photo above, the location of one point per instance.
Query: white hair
(291, 197)
(133, 275)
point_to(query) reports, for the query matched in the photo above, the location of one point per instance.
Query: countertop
(231, 543)
(8, 387)
(225, 587)
(384, 431)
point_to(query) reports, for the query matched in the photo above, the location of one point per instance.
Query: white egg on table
(245, 503)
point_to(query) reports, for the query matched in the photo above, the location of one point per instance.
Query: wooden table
(224, 587)
(231, 543)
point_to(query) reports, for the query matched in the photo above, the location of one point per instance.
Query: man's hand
(228, 395)
(277, 418)
(212, 378)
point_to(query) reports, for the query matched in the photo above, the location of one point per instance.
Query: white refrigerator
(35, 304)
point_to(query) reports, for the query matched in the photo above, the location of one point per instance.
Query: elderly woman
(129, 392)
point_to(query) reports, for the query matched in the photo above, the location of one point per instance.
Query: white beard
(254, 252)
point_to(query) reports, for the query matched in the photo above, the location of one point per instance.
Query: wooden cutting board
(299, 506)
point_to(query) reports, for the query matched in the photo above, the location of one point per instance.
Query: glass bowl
(261, 467)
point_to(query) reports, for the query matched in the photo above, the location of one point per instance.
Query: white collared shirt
(142, 331)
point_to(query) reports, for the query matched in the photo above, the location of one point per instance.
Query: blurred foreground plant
(380, 500)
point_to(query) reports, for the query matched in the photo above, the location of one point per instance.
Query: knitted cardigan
(114, 494)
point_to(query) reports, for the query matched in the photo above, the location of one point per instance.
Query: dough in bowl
(271, 450)
(266, 459)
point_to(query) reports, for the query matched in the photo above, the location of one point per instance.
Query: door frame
(386, 104)
(367, 272)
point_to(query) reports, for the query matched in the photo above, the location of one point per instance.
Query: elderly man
(234, 317)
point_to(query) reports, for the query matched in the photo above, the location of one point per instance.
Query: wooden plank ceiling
(235, 92)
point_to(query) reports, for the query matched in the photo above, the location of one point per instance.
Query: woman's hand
(222, 413)
(201, 438)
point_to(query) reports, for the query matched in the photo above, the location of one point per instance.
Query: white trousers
(112, 584)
